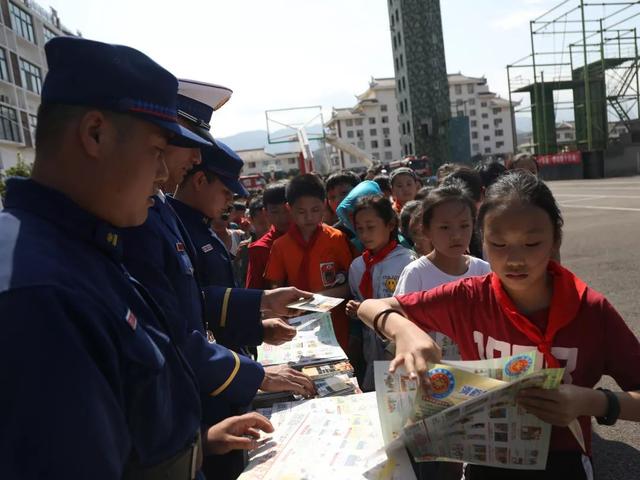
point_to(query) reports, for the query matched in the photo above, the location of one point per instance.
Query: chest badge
(207, 248)
(131, 319)
(179, 247)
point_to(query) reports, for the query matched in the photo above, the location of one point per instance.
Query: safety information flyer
(314, 343)
(329, 438)
(470, 415)
(317, 303)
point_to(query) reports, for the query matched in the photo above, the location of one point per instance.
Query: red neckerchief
(565, 303)
(397, 206)
(370, 259)
(303, 273)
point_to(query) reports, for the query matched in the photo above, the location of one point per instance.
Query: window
(483, 104)
(401, 60)
(385, 131)
(397, 16)
(459, 102)
(497, 121)
(251, 164)
(404, 129)
(406, 105)
(395, 60)
(499, 144)
(404, 83)
(474, 135)
(474, 123)
(374, 144)
(49, 34)
(292, 161)
(485, 126)
(399, 85)
(408, 127)
(388, 155)
(471, 101)
(485, 115)
(4, 71)
(375, 155)
(352, 159)
(358, 122)
(399, 39)
(487, 150)
(361, 144)
(372, 120)
(499, 133)
(470, 88)
(496, 111)
(349, 123)
(373, 132)
(31, 76)
(486, 138)
(460, 113)
(472, 112)
(384, 119)
(359, 133)
(458, 89)
(387, 142)
(475, 147)
(567, 136)
(9, 127)
(33, 123)
(349, 133)
(383, 108)
(22, 22)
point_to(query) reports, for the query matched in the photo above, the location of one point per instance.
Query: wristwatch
(613, 408)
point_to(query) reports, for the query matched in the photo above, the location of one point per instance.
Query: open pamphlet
(326, 438)
(317, 303)
(470, 415)
(314, 344)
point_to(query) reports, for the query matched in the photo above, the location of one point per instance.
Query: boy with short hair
(338, 186)
(312, 255)
(274, 201)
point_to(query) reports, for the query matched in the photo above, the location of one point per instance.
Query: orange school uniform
(328, 256)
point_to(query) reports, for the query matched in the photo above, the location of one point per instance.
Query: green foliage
(20, 169)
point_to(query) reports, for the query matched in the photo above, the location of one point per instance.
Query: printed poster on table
(314, 343)
(469, 417)
(329, 438)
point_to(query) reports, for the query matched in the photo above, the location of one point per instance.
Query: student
(275, 206)
(524, 161)
(444, 170)
(490, 172)
(405, 218)
(448, 215)
(312, 255)
(385, 185)
(375, 273)
(421, 243)
(528, 301)
(404, 187)
(258, 218)
(338, 186)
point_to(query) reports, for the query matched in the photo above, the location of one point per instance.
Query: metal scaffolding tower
(584, 61)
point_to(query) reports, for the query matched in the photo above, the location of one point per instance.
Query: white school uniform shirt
(384, 277)
(422, 274)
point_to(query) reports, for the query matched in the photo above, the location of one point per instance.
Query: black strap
(377, 317)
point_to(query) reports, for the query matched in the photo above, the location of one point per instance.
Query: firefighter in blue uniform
(161, 255)
(205, 193)
(93, 385)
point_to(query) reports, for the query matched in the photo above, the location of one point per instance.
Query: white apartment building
(25, 27)
(371, 125)
(258, 161)
(490, 123)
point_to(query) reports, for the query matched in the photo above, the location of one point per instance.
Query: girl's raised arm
(414, 348)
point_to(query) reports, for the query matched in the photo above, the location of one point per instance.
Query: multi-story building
(258, 161)
(371, 125)
(24, 29)
(421, 77)
(490, 120)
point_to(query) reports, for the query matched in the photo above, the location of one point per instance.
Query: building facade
(371, 125)
(421, 77)
(24, 29)
(490, 120)
(258, 161)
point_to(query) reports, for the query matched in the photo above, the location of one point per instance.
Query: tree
(20, 169)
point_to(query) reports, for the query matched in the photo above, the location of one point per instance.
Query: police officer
(92, 384)
(206, 193)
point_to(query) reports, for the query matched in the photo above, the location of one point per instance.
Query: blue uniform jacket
(213, 267)
(157, 254)
(88, 373)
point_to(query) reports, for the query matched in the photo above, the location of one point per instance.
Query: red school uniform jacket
(597, 342)
(259, 252)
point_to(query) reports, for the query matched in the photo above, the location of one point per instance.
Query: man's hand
(236, 433)
(352, 309)
(562, 405)
(282, 378)
(277, 331)
(274, 302)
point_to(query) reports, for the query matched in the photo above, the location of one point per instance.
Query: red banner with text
(564, 158)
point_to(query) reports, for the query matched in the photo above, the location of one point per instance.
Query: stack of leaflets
(318, 372)
(334, 386)
(326, 438)
(470, 415)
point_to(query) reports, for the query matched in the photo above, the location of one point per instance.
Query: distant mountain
(259, 139)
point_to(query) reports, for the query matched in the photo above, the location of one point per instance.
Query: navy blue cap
(116, 78)
(226, 164)
(196, 103)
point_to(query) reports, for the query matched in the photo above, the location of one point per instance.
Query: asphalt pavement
(601, 245)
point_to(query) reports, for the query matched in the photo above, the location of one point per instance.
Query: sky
(290, 53)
